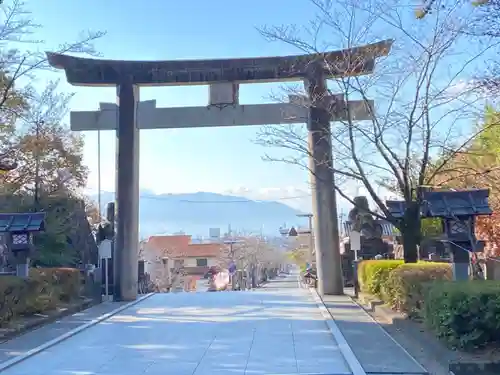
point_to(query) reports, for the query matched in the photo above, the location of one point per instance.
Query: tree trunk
(410, 231)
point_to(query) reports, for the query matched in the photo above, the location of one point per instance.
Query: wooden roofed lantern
(20, 228)
(458, 211)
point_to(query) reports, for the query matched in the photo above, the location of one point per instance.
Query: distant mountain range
(195, 213)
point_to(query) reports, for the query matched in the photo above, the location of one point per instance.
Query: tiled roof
(170, 244)
(387, 228)
(180, 246)
(205, 249)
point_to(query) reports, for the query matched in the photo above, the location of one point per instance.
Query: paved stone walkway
(274, 330)
(22, 344)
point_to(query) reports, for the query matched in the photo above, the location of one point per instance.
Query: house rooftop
(180, 246)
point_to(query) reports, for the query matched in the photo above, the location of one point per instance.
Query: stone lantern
(20, 228)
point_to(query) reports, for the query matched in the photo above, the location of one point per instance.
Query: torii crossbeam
(151, 117)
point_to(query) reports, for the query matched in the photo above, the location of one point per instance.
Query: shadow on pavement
(265, 331)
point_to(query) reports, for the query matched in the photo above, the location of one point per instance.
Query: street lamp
(232, 265)
(36, 197)
(231, 250)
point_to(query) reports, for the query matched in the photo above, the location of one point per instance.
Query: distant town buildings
(171, 258)
(214, 234)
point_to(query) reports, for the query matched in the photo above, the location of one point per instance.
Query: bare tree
(483, 25)
(251, 250)
(424, 100)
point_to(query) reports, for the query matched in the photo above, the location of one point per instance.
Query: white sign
(355, 239)
(105, 249)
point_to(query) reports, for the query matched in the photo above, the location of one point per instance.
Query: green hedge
(372, 274)
(66, 280)
(401, 285)
(465, 315)
(15, 293)
(43, 291)
(405, 288)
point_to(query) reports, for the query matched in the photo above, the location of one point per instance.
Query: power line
(163, 198)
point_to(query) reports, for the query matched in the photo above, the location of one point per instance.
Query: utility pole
(232, 264)
(99, 173)
(341, 217)
(36, 195)
(311, 237)
(114, 272)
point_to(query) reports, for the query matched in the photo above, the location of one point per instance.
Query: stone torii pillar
(326, 233)
(125, 260)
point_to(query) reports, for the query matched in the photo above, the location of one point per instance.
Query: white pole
(99, 172)
(311, 242)
(106, 279)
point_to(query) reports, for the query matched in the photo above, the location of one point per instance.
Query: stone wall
(493, 268)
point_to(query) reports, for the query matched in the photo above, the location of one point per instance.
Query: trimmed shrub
(42, 296)
(41, 292)
(14, 294)
(372, 274)
(405, 287)
(465, 315)
(66, 280)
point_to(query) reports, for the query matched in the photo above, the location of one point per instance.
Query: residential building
(172, 258)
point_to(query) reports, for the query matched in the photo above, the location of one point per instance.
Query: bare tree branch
(421, 118)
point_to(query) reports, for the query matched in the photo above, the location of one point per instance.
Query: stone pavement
(274, 330)
(374, 348)
(32, 339)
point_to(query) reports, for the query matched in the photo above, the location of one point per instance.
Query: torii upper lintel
(347, 62)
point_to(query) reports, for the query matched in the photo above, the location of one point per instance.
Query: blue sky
(224, 160)
(216, 159)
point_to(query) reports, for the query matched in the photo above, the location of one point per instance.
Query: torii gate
(223, 75)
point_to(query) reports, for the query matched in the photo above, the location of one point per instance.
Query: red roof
(169, 244)
(180, 246)
(206, 249)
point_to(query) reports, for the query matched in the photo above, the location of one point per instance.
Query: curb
(30, 353)
(42, 321)
(379, 307)
(344, 347)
